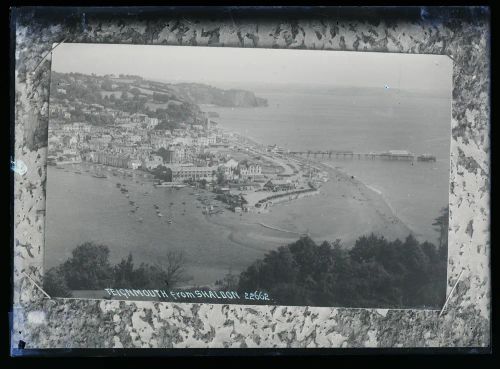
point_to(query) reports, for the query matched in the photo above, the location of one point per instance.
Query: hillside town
(195, 151)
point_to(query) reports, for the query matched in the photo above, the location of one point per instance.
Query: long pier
(342, 154)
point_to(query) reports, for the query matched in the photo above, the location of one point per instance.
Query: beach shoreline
(375, 215)
(376, 191)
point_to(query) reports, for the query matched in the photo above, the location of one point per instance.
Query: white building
(152, 122)
(159, 141)
(181, 173)
(139, 118)
(135, 163)
(200, 141)
(73, 141)
(248, 170)
(212, 139)
(135, 138)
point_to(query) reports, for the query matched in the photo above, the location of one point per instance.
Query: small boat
(99, 176)
(169, 221)
(159, 214)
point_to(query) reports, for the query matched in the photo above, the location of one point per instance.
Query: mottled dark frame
(461, 33)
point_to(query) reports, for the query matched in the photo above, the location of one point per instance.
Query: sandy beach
(343, 201)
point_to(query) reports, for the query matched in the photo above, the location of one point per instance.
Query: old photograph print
(248, 176)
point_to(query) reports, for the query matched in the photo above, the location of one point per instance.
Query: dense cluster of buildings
(190, 152)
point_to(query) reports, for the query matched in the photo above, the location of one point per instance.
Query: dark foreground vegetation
(89, 268)
(375, 273)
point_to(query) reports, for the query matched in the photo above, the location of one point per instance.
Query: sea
(83, 208)
(363, 121)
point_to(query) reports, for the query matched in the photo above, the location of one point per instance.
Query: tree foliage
(221, 178)
(150, 276)
(107, 85)
(374, 273)
(167, 125)
(162, 98)
(54, 283)
(89, 269)
(163, 153)
(441, 225)
(162, 173)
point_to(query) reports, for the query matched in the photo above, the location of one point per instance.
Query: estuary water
(81, 208)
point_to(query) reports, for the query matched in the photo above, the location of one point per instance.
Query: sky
(224, 66)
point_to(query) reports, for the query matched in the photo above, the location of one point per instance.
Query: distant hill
(205, 94)
(196, 93)
(171, 103)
